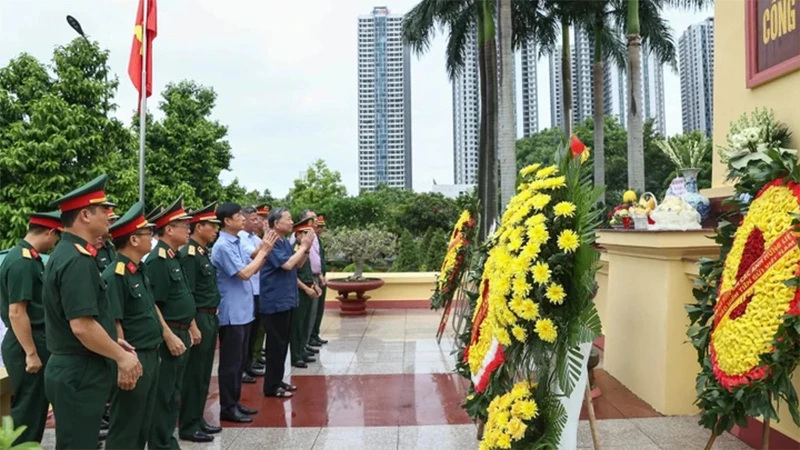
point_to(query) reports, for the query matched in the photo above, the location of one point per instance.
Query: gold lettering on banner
(778, 20)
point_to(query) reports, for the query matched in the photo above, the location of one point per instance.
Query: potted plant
(687, 153)
(358, 246)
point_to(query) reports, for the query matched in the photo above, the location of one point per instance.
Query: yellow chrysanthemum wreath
(453, 264)
(510, 415)
(518, 272)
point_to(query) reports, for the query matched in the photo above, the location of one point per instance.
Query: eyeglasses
(147, 232)
(183, 225)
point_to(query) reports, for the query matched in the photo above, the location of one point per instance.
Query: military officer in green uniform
(22, 311)
(105, 248)
(316, 340)
(81, 335)
(175, 304)
(308, 292)
(138, 323)
(201, 276)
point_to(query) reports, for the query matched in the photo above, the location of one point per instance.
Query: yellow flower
(529, 170)
(516, 304)
(470, 396)
(521, 390)
(529, 311)
(502, 335)
(502, 418)
(568, 241)
(546, 330)
(504, 441)
(539, 201)
(546, 172)
(541, 273)
(564, 209)
(535, 219)
(555, 293)
(555, 183)
(516, 429)
(530, 252)
(538, 234)
(525, 409)
(509, 317)
(519, 333)
(521, 287)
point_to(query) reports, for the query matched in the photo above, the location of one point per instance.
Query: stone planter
(354, 305)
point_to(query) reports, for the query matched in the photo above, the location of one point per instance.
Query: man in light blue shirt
(250, 242)
(236, 307)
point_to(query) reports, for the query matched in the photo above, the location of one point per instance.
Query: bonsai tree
(361, 246)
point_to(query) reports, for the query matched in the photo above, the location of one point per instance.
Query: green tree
(317, 185)
(429, 211)
(407, 255)
(236, 193)
(539, 147)
(54, 132)
(436, 250)
(424, 245)
(187, 149)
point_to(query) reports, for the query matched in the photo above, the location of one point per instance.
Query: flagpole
(143, 105)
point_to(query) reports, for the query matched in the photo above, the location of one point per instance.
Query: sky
(285, 74)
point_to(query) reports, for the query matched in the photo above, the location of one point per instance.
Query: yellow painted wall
(731, 96)
(397, 286)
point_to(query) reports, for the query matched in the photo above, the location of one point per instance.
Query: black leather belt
(177, 325)
(212, 311)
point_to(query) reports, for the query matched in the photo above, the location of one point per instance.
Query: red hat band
(203, 217)
(45, 222)
(129, 227)
(83, 201)
(164, 221)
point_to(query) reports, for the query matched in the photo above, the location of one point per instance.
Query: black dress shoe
(258, 365)
(248, 379)
(310, 359)
(322, 341)
(235, 416)
(104, 424)
(246, 410)
(262, 361)
(255, 371)
(311, 349)
(198, 436)
(210, 429)
(300, 364)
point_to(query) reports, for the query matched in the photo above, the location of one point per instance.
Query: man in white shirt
(250, 240)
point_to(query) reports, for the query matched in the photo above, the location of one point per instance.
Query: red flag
(135, 63)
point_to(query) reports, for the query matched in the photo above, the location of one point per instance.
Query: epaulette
(82, 250)
(26, 253)
(190, 251)
(162, 253)
(120, 269)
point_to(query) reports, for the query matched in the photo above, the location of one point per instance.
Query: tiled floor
(384, 383)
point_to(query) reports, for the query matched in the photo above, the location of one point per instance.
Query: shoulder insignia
(26, 253)
(82, 250)
(120, 269)
(191, 250)
(162, 253)
(171, 253)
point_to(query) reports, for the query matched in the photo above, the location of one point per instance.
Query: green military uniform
(134, 307)
(77, 380)
(315, 337)
(300, 315)
(21, 281)
(174, 299)
(105, 255)
(201, 277)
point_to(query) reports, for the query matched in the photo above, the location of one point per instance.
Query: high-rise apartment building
(467, 114)
(696, 64)
(384, 102)
(582, 58)
(530, 97)
(615, 92)
(466, 117)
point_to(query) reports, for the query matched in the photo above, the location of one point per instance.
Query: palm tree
(463, 20)
(638, 32)
(506, 147)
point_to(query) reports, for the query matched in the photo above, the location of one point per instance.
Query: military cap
(130, 222)
(207, 214)
(50, 220)
(304, 225)
(263, 209)
(170, 214)
(321, 220)
(90, 194)
(111, 214)
(154, 212)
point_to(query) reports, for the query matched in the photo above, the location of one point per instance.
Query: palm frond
(656, 33)
(462, 29)
(419, 26)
